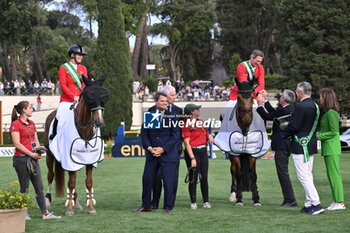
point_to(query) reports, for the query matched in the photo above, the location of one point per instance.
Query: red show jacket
(242, 75)
(68, 86)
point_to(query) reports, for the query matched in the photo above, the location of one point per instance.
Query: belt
(199, 147)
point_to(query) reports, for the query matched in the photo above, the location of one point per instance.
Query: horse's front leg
(70, 193)
(254, 178)
(233, 176)
(90, 201)
(239, 181)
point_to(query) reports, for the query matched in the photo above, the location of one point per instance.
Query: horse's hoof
(93, 212)
(257, 204)
(79, 207)
(239, 204)
(69, 213)
(232, 197)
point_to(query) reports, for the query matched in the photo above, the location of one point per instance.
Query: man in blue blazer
(303, 146)
(177, 111)
(161, 152)
(278, 145)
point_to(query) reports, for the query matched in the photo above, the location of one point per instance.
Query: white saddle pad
(230, 138)
(71, 150)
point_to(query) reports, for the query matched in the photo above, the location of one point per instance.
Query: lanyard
(30, 139)
(303, 141)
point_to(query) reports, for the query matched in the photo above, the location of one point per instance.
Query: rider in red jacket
(71, 82)
(251, 69)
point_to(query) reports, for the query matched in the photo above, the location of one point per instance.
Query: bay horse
(88, 117)
(243, 169)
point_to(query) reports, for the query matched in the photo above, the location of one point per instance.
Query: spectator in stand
(23, 87)
(53, 89)
(136, 86)
(30, 87)
(168, 83)
(160, 85)
(36, 87)
(44, 85)
(49, 87)
(12, 88)
(16, 86)
(146, 91)
(58, 88)
(1, 88)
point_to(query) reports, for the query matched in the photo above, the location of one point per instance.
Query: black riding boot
(54, 130)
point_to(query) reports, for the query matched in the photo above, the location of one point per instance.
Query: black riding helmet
(76, 49)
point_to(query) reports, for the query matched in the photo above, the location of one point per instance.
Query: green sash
(250, 72)
(303, 141)
(74, 73)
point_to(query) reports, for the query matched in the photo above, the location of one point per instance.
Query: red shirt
(242, 75)
(68, 86)
(197, 135)
(23, 129)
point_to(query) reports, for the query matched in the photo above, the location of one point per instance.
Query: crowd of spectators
(15, 87)
(196, 91)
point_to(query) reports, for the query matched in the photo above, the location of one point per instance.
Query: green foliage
(245, 26)
(8, 141)
(317, 45)
(11, 198)
(187, 26)
(113, 59)
(234, 61)
(226, 83)
(279, 82)
(151, 83)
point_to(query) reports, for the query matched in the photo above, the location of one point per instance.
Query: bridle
(80, 123)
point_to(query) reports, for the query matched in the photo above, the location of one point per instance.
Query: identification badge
(33, 145)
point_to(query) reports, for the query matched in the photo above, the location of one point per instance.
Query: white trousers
(63, 111)
(304, 173)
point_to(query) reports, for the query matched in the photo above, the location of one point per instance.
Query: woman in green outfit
(330, 146)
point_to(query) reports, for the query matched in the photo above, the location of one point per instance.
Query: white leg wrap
(90, 196)
(67, 201)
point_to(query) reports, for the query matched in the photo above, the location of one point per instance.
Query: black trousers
(201, 156)
(282, 161)
(20, 164)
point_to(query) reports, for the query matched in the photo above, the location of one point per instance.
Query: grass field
(117, 185)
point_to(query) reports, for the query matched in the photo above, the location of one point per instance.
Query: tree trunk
(6, 65)
(13, 64)
(137, 48)
(144, 52)
(37, 61)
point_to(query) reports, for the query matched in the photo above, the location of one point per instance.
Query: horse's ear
(238, 83)
(86, 80)
(102, 79)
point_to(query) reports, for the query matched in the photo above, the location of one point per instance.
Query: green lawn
(117, 185)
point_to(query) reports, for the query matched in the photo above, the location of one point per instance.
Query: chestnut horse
(88, 116)
(243, 169)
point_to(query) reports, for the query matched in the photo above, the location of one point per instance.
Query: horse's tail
(246, 182)
(59, 179)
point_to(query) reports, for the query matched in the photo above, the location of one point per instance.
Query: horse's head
(95, 96)
(245, 97)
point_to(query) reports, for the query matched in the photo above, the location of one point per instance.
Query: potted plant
(13, 208)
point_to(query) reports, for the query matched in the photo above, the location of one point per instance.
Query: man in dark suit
(278, 145)
(161, 152)
(177, 111)
(303, 145)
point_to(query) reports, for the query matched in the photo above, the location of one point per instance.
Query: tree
(113, 59)
(17, 24)
(248, 25)
(317, 45)
(187, 26)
